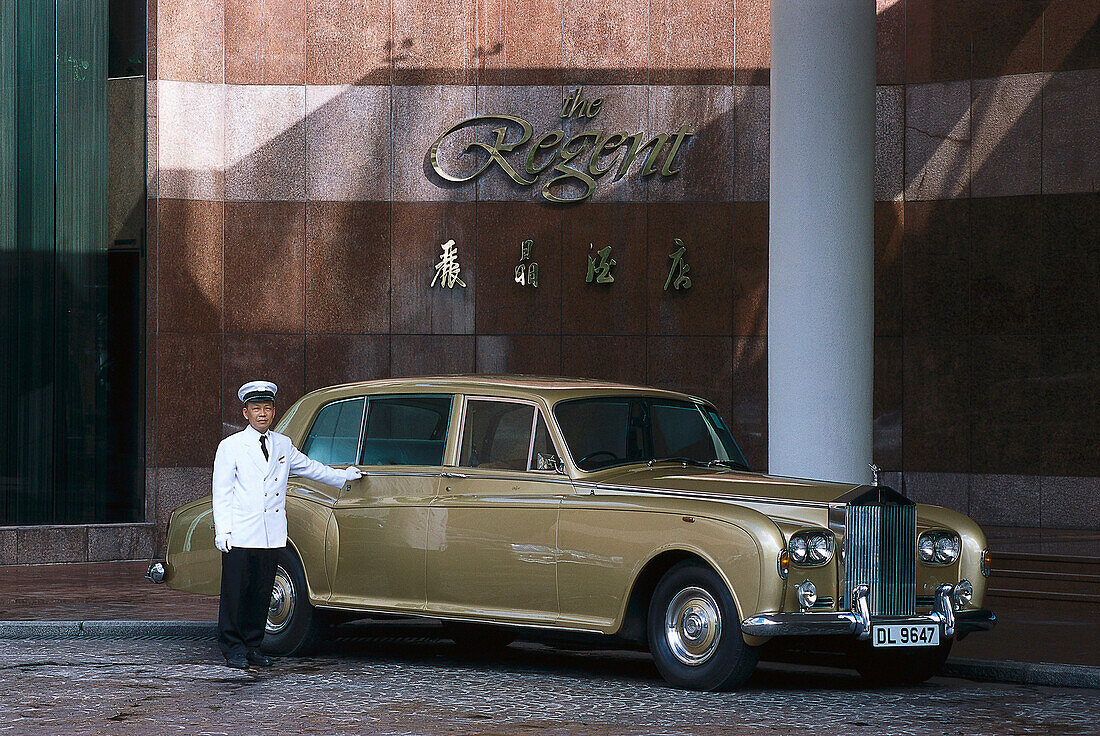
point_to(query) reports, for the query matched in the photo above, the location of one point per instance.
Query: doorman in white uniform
(250, 474)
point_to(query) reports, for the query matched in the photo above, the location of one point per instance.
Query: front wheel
(294, 626)
(695, 633)
(908, 666)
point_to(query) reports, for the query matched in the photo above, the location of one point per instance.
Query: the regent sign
(572, 164)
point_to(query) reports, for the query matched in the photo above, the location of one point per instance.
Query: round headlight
(926, 547)
(964, 593)
(800, 549)
(947, 549)
(819, 548)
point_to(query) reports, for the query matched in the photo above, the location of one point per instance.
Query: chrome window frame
(461, 434)
(363, 429)
(362, 424)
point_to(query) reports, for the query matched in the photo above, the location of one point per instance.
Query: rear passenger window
(406, 430)
(334, 436)
(497, 434)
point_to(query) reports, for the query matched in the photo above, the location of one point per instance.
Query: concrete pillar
(821, 253)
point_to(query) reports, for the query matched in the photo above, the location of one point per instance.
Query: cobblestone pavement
(420, 686)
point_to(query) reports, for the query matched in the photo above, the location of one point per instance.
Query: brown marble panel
(937, 140)
(705, 160)
(152, 150)
(347, 280)
(678, 54)
(333, 359)
(752, 126)
(347, 42)
(276, 358)
(265, 267)
(1071, 35)
(151, 39)
(428, 355)
(937, 41)
(349, 149)
(705, 230)
(935, 427)
(748, 415)
(265, 142)
(1007, 37)
(189, 266)
(1006, 247)
(606, 358)
(507, 307)
(418, 233)
(1069, 503)
(264, 43)
(1007, 500)
(889, 143)
(434, 42)
(890, 41)
(888, 401)
(1005, 396)
(189, 375)
(541, 106)
(750, 268)
(1071, 115)
(538, 355)
(951, 490)
(625, 109)
(149, 339)
(421, 114)
(1069, 288)
(936, 268)
(519, 42)
(617, 308)
(605, 43)
(51, 544)
(1006, 120)
(177, 486)
(121, 542)
(191, 140)
(888, 271)
(1071, 406)
(700, 366)
(752, 41)
(190, 40)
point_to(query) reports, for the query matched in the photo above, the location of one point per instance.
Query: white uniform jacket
(250, 492)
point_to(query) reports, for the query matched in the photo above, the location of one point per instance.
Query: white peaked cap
(257, 391)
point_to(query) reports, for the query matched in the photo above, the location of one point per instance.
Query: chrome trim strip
(444, 617)
(400, 472)
(587, 485)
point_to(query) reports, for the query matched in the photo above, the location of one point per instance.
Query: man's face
(260, 414)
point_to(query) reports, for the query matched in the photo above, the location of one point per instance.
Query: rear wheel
(694, 631)
(892, 666)
(294, 627)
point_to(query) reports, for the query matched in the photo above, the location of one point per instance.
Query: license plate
(905, 635)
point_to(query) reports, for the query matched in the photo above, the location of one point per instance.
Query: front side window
(334, 436)
(496, 434)
(606, 431)
(405, 430)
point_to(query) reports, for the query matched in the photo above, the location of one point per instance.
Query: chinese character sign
(527, 272)
(447, 269)
(600, 272)
(679, 268)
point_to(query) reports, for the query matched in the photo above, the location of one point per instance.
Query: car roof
(552, 388)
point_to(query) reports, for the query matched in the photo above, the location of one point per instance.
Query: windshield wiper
(684, 460)
(730, 464)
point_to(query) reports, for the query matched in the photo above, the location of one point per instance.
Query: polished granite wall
(294, 222)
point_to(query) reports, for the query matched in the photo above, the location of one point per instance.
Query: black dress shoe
(237, 661)
(255, 657)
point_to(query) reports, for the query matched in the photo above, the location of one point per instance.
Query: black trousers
(247, 576)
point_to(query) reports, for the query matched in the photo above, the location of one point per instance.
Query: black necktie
(263, 446)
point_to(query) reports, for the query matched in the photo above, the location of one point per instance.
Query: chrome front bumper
(857, 622)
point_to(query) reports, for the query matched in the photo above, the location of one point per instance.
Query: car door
(492, 549)
(381, 520)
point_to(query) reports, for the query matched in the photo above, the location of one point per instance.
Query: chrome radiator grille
(880, 550)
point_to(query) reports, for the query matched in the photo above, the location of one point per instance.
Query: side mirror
(546, 461)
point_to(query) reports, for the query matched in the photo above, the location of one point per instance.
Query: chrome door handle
(453, 475)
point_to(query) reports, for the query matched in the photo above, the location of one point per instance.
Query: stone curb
(1023, 673)
(108, 629)
(983, 670)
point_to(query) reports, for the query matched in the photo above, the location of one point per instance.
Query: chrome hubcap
(282, 602)
(693, 626)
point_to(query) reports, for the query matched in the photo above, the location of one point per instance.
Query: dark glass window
(496, 434)
(334, 437)
(405, 430)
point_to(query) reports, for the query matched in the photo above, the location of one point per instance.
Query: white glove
(222, 542)
(352, 473)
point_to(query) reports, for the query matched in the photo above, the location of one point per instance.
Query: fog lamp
(807, 595)
(155, 572)
(964, 593)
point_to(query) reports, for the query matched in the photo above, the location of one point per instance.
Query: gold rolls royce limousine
(505, 503)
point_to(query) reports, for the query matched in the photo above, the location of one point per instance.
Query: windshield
(617, 430)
